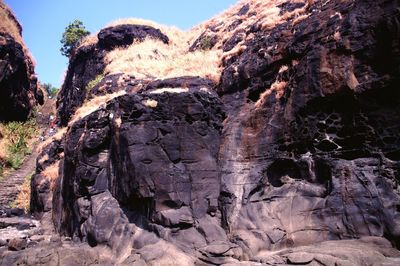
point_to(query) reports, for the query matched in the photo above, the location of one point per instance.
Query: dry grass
(170, 90)
(3, 147)
(150, 103)
(88, 40)
(278, 87)
(175, 35)
(8, 23)
(267, 16)
(59, 135)
(24, 196)
(154, 59)
(94, 104)
(51, 173)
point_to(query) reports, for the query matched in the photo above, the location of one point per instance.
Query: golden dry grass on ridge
(152, 59)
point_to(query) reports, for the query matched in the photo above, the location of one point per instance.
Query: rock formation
(18, 84)
(88, 62)
(291, 158)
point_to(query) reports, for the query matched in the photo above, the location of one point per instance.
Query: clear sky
(44, 21)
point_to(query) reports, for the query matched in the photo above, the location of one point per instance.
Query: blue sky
(44, 21)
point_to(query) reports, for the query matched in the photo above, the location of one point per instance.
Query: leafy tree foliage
(51, 91)
(72, 35)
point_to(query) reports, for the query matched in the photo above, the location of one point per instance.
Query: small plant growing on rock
(72, 35)
(206, 43)
(94, 82)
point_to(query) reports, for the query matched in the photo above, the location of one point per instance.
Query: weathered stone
(126, 34)
(300, 258)
(19, 91)
(170, 203)
(84, 66)
(17, 244)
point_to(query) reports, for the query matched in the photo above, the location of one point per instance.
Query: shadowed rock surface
(19, 91)
(294, 161)
(84, 66)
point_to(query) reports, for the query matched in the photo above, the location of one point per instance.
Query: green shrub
(71, 37)
(94, 82)
(18, 135)
(206, 43)
(50, 89)
(15, 160)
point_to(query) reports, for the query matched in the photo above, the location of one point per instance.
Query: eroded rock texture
(126, 34)
(149, 158)
(42, 183)
(318, 134)
(84, 66)
(18, 84)
(300, 147)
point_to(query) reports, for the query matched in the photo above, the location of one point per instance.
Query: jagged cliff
(284, 149)
(19, 91)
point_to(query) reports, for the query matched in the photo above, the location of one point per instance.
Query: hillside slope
(268, 135)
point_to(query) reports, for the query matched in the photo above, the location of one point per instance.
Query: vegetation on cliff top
(72, 35)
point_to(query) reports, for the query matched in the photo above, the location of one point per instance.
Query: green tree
(71, 37)
(51, 90)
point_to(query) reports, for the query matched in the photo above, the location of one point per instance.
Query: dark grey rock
(296, 154)
(126, 34)
(19, 91)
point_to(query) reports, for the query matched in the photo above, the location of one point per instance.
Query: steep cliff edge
(287, 152)
(19, 91)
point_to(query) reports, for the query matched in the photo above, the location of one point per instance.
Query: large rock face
(18, 84)
(311, 148)
(300, 146)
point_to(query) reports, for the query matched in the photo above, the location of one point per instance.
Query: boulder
(126, 34)
(17, 244)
